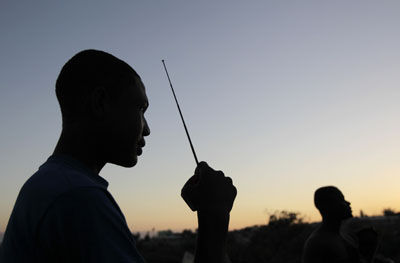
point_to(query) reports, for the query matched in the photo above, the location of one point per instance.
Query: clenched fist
(209, 190)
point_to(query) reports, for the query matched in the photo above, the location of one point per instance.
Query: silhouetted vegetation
(389, 212)
(281, 240)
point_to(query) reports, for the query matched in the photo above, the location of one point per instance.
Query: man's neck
(331, 225)
(81, 148)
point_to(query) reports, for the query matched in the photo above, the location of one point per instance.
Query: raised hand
(212, 194)
(209, 190)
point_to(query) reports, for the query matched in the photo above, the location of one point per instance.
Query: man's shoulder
(55, 187)
(55, 178)
(84, 199)
(64, 186)
(53, 181)
(324, 245)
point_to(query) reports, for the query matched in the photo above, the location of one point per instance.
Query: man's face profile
(342, 206)
(127, 126)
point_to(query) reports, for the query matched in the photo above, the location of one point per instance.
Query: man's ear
(99, 102)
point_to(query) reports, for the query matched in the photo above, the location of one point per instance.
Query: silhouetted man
(325, 244)
(64, 212)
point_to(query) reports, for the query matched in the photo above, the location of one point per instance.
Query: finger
(234, 194)
(188, 193)
(194, 179)
(219, 174)
(229, 180)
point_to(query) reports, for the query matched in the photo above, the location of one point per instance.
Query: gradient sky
(283, 96)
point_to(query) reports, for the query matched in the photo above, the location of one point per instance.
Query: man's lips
(139, 151)
(140, 145)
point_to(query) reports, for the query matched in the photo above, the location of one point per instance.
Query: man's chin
(127, 162)
(348, 216)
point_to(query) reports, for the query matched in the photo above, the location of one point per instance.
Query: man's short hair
(322, 196)
(86, 70)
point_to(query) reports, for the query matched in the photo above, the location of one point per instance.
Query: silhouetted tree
(362, 214)
(389, 212)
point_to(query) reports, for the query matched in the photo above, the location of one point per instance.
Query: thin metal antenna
(180, 112)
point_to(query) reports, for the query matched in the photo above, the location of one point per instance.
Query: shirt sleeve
(85, 225)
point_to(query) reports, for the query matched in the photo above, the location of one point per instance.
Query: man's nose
(146, 129)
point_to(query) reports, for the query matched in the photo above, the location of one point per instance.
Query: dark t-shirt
(64, 213)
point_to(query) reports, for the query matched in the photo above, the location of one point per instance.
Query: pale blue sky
(284, 96)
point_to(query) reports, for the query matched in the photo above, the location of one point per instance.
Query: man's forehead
(337, 195)
(139, 83)
(139, 90)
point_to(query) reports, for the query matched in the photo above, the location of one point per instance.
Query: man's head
(331, 203)
(102, 98)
